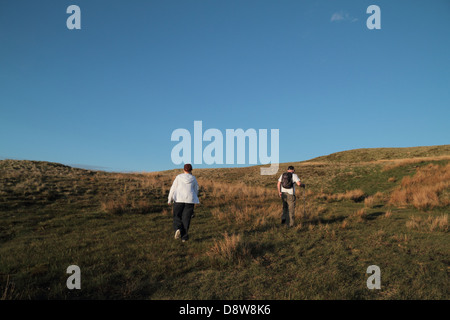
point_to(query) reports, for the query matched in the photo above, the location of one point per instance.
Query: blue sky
(111, 94)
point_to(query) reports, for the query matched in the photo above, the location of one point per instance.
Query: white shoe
(177, 234)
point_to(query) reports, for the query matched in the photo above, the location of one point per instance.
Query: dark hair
(290, 168)
(187, 167)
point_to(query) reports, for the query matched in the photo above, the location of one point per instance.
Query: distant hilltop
(375, 154)
(349, 156)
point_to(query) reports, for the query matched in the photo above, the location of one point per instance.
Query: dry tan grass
(231, 248)
(239, 203)
(379, 197)
(218, 193)
(372, 201)
(392, 164)
(124, 204)
(357, 216)
(369, 202)
(254, 206)
(438, 223)
(354, 195)
(253, 215)
(344, 224)
(311, 212)
(423, 190)
(388, 214)
(361, 212)
(402, 238)
(413, 222)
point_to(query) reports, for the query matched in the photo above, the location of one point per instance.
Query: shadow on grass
(317, 221)
(374, 215)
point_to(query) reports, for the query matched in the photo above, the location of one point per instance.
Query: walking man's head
(291, 169)
(188, 168)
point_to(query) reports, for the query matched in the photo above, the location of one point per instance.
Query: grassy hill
(386, 207)
(377, 154)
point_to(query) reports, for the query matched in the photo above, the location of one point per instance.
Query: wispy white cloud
(337, 16)
(342, 16)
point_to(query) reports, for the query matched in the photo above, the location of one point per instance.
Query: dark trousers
(182, 213)
(288, 209)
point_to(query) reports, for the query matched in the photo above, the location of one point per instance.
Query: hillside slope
(327, 172)
(377, 154)
(117, 228)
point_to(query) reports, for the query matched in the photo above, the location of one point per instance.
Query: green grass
(374, 154)
(372, 178)
(51, 216)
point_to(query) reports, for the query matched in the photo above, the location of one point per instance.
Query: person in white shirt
(286, 191)
(184, 195)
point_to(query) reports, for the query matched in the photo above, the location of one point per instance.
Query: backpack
(286, 180)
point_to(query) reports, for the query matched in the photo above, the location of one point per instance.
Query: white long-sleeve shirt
(184, 189)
